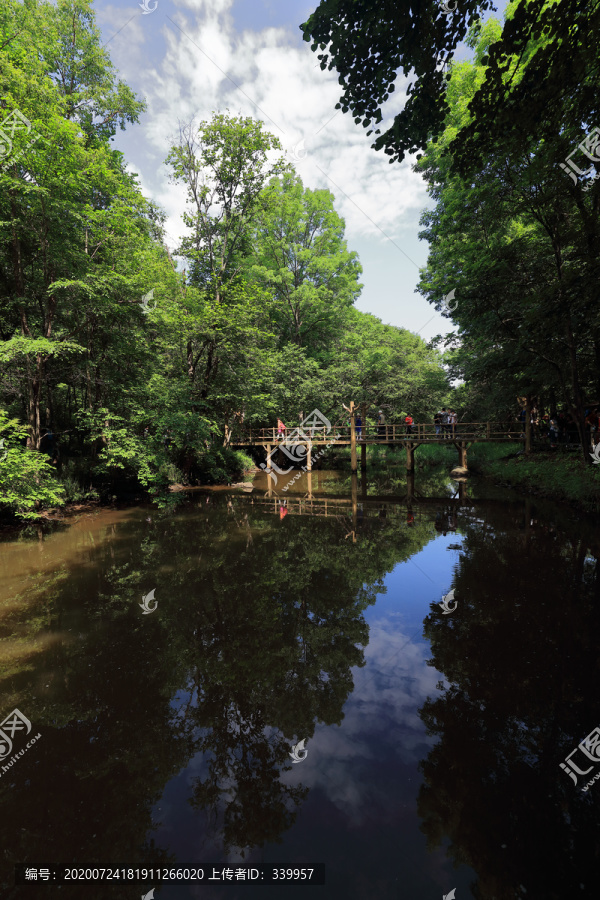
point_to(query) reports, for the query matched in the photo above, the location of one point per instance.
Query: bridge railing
(394, 433)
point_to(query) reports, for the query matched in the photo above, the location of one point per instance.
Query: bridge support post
(410, 456)
(308, 458)
(352, 437)
(269, 485)
(462, 455)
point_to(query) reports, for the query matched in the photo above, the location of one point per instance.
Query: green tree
(516, 246)
(301, 257)
(62, 201)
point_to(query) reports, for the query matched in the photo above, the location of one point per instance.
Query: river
(171, 661)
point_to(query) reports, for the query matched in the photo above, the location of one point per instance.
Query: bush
(222, 465)
(27, 479)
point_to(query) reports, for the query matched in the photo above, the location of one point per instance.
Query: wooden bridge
(297, 444)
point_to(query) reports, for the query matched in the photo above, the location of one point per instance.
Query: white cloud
(382, 713)
(189, 69)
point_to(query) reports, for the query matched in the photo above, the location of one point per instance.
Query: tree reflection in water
(258, 626)
(521, 658)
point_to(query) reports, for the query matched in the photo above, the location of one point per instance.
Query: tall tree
(515, 246)
(301, 257)
(62, 198)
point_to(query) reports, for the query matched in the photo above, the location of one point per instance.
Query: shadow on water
(165, 737)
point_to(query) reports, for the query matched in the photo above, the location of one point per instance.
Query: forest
(123, 364)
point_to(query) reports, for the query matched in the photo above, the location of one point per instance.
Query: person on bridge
(437, 421)
(280, 428)
(358, 428)
(381, 425)
(452, 420)
(445, 420)
(409, 424)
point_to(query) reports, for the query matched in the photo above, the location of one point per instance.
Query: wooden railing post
(487, 431)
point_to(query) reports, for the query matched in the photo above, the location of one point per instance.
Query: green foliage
(138, 369)
(545, 53)
(389, 368)
(301, 256)
(222, 464)
(516, 246)
(27, 478)
(369, 44)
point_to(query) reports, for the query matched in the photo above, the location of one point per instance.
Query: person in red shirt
(280, 428)
(409, 424)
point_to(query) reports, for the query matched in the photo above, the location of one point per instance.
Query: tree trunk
(579, 408)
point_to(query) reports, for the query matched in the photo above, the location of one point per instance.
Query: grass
(426, 456)
(555, 474)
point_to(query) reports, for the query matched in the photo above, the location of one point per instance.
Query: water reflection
(517, 658)
(165, 737)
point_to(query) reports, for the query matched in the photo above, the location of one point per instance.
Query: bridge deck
(422, 433)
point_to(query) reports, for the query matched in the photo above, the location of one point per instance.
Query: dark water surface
(434, 742)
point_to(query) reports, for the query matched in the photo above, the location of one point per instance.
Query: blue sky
(190, 57)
